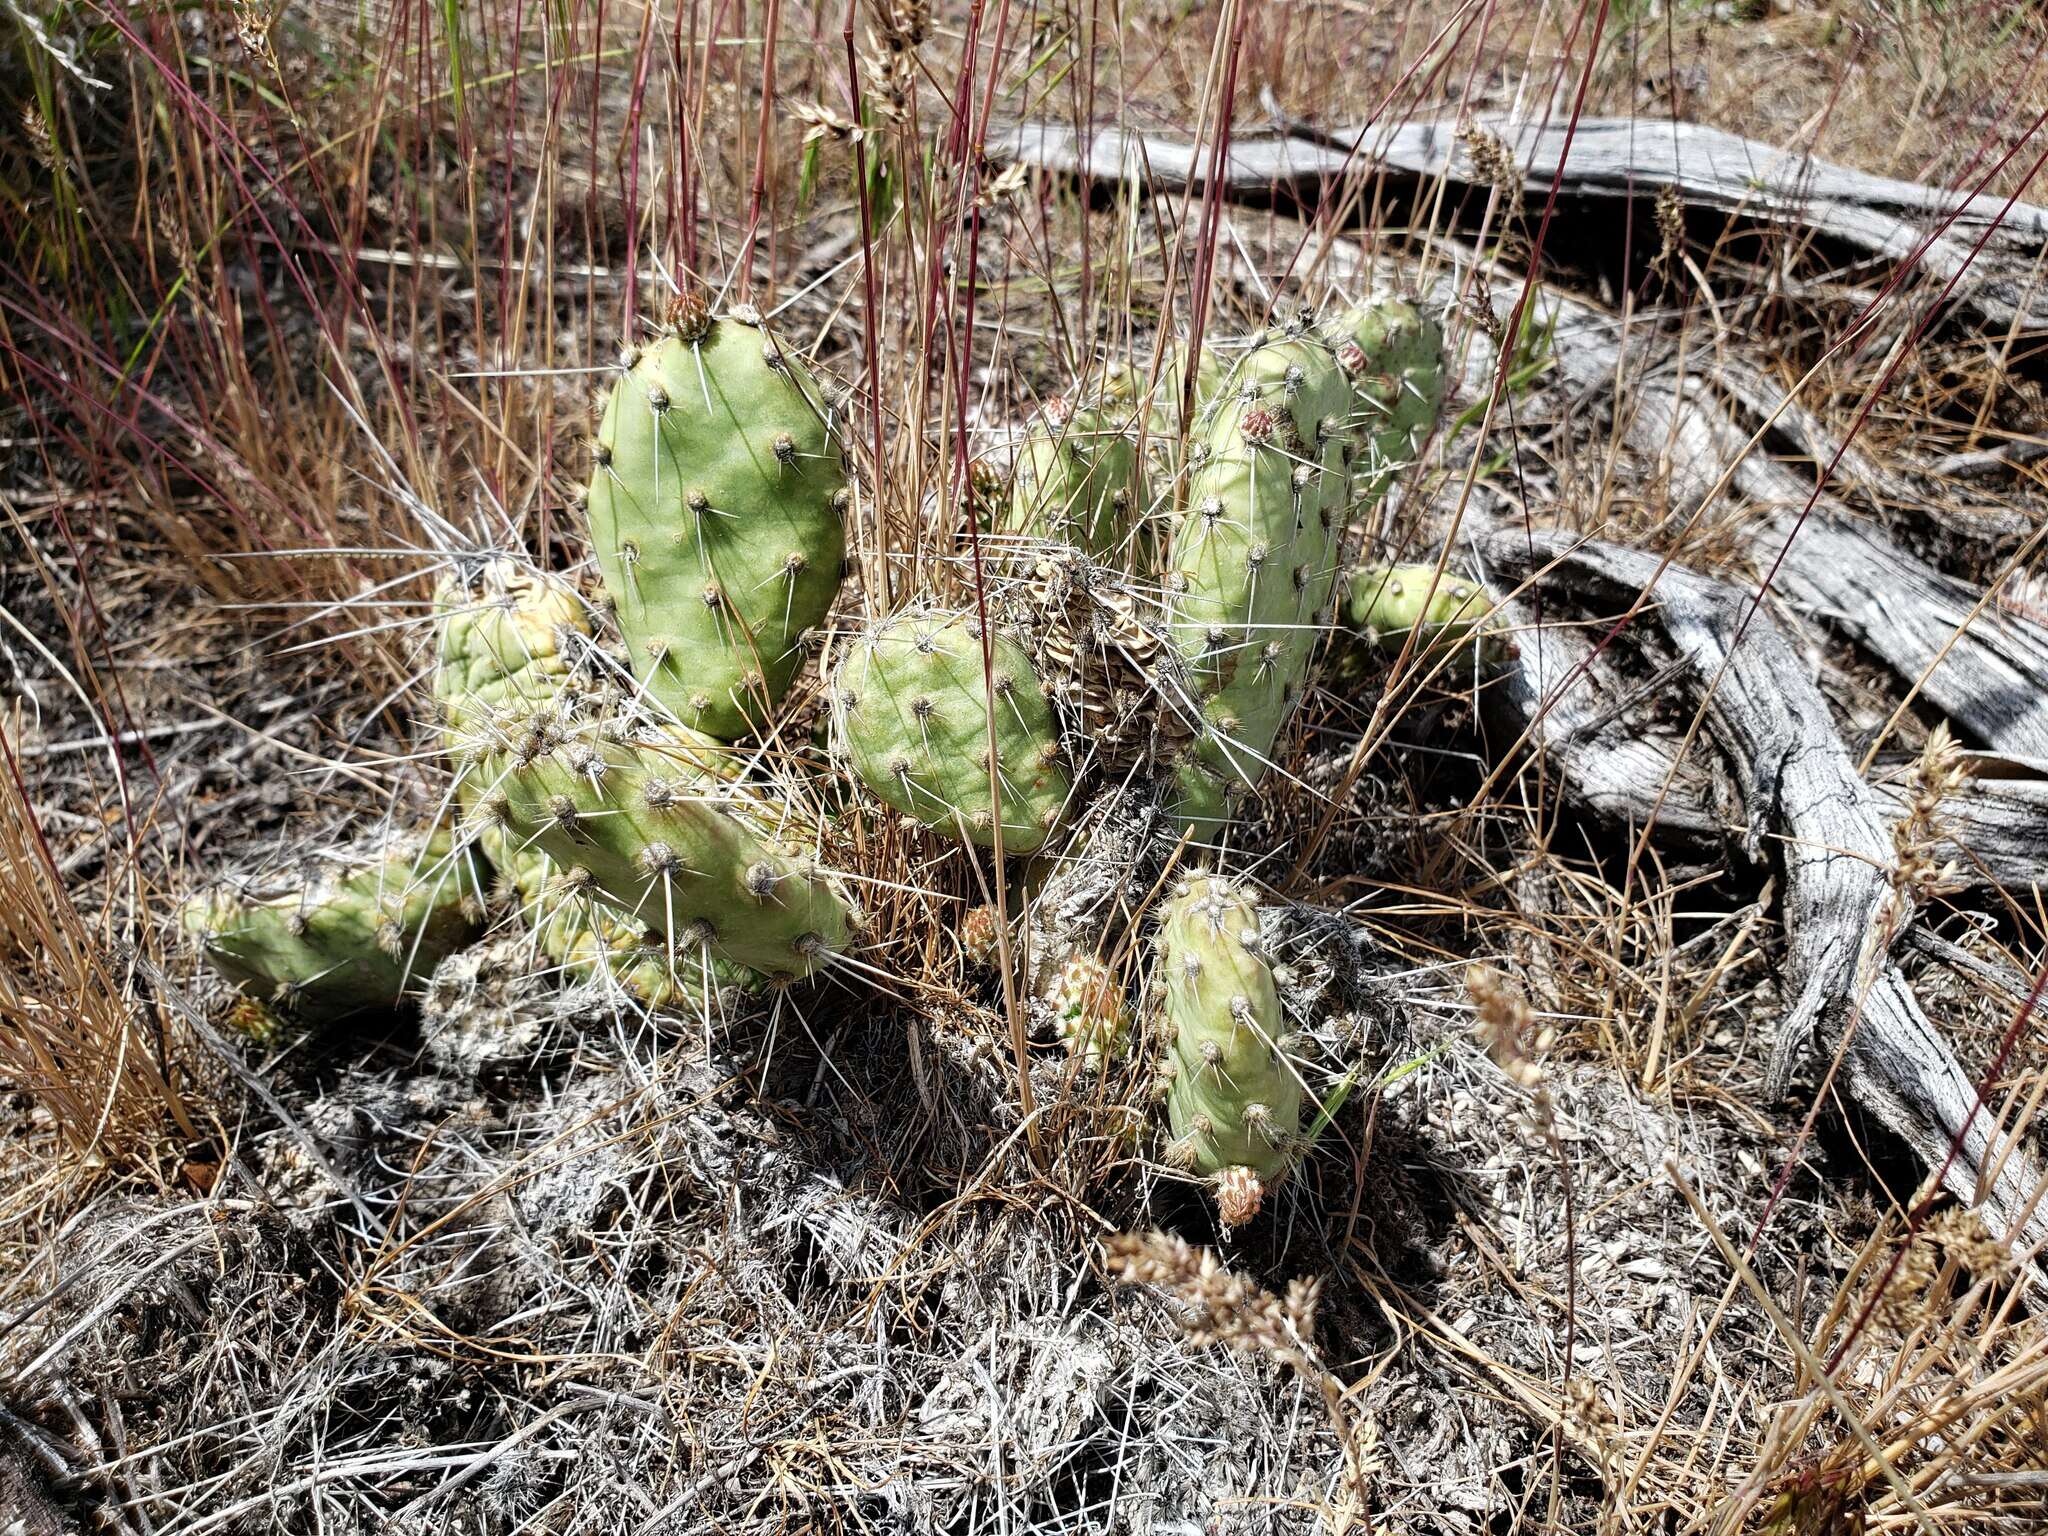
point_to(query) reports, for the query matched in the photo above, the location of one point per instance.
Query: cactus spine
(345, 933)
(911, 701)
(1253, 558)
(717, 513)
(1233, 1095)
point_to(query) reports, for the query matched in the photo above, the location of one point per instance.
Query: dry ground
(296, 302)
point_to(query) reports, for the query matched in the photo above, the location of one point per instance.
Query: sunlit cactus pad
(717, 505)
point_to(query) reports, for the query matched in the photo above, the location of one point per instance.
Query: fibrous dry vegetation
(1626, 1216)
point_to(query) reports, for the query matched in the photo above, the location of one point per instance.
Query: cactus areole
(717, 512)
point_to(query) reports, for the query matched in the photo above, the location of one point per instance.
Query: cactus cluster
(628, 782)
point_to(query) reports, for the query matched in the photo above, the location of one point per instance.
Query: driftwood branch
(1806, 811)
(1593, 723)
(1611, 159)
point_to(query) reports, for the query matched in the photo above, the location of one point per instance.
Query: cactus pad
(1394, 357)
(1384, 602)
(510, 637)
(585, 938)
(347, 932)
(1253, 558)
(910, 702)
(717, 513)
(1233, 1096)
(1077, 479)
(639, 825)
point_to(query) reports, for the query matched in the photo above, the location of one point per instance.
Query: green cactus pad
(1394, 356)
(1253, 557)
(1077, 479)
(346, 932)
(1383, 603)
(717, 514)
(583, 938)
(910, 703)
(1233, 1095)
(639, 824)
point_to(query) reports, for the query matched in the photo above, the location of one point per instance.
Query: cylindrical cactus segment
(1253, 557)
(347, 932)
(1384, 602)
(1077, 479)
(1233, 1095)
(1394, 356)
(911, 705)
(717, 511)
(640, 826)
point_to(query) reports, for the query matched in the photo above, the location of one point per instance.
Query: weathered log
(1610, 158)
(1809, 814)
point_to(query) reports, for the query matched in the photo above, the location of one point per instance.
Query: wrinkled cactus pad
(912, 706)
(1393, 355)
(639, 824)
(1077, 479)
(344, 931)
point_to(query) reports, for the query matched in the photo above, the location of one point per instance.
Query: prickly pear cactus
(1394, 356)
(1233, 1095)
(349, 932)
(509, 650)
(717, 511)
(584, 938)
(1253, 559)
(639, 825)
(1077, 479)
(1384, 603)
(911, 706)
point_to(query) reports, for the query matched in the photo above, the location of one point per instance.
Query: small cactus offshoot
(1233, 1095)
(913, 701)
(1384, 603)
(347, 932)
(1087, 1002)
